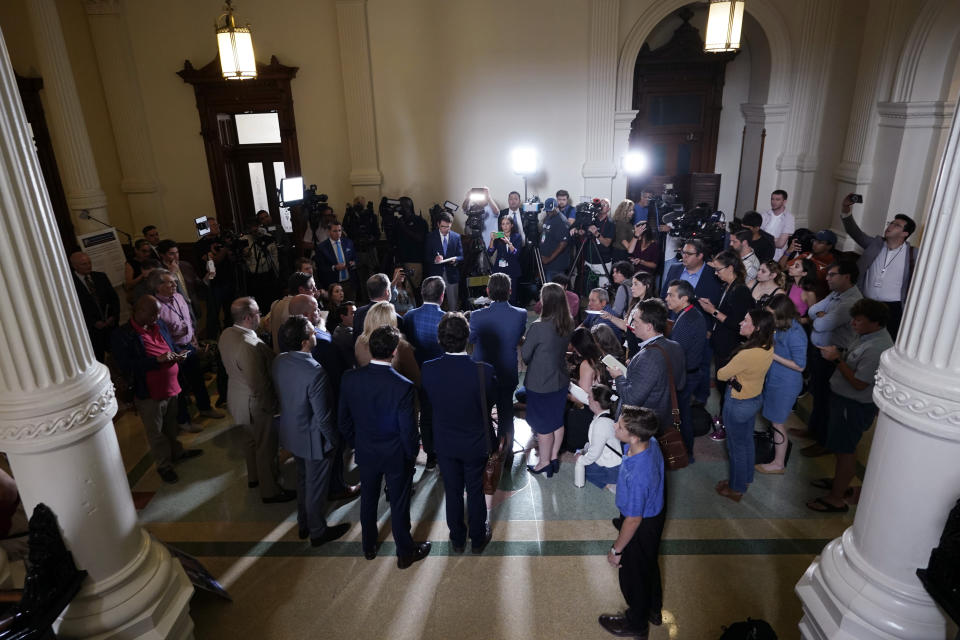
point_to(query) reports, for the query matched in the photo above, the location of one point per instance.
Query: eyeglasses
(690, 253)
(896, 223)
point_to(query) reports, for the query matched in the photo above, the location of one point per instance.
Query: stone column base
(148, 600)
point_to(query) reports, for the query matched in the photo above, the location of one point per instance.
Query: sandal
(822, 506)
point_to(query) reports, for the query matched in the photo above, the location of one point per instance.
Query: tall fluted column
(70, 139)
(56, 406)
(622, 122)
(111, 42)
(365, 173)
(600, 166)
(864, 585)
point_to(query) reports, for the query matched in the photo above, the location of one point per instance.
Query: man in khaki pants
(251, 398)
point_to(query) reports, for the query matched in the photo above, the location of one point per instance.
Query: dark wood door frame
(217, 98)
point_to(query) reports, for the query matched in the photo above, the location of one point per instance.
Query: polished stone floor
(544, 575)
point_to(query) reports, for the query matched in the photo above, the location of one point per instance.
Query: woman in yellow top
(745, 372)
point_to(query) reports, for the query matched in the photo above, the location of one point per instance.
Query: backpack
(749, 629)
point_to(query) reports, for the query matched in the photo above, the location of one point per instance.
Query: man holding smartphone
(144, 351)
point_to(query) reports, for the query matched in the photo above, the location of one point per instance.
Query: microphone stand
(85, 215)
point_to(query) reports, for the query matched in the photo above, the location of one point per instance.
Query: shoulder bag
(671, 443)
(494, 467)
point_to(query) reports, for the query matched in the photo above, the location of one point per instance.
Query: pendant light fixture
(724, 25)
(237, 61)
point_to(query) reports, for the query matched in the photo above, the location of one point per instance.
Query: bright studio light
(635, 163)
(524, 161)
(724, 24)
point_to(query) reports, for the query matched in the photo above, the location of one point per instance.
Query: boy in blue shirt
(641, 501)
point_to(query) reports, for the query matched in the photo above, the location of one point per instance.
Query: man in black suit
(377, 418)
(98, 302)
(379, 289)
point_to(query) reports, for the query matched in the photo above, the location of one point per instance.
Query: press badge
(502, 263)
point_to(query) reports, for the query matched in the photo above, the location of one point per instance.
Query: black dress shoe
(656, 618)
(253, 485)
(458, 548)
(431, 463)
(285, 495)
(420, 551)
(168, 475)
(303, 534)
(186, 454)
(477, 549)
(349, 493)
(330, 533)
(620, 626)
(370, 555)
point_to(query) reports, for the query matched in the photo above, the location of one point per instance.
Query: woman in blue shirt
(505, 249)
(785, 377)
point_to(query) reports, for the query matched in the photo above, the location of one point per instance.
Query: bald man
(99, 302)
(251, 398)
(144, 351)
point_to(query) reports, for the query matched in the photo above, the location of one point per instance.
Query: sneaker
(719, 434)
(189, 427)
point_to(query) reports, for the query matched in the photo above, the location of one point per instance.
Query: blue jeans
(738, 418)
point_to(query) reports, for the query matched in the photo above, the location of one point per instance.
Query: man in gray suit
(646, 382)
(306, 427)
(251, 399)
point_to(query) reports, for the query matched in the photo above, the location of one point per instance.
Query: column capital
(763, 114)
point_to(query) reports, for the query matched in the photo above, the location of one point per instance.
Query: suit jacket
(433, 247)
(646, 385)
(496, 332)
(331, 359)
(545, 353)
(872, 246)
(420, 327)
(460, 428)
(511, 260)
(381, 426)
(306, 425)
(325, 257)
(247, 360)
(707, 287)
(109, 302)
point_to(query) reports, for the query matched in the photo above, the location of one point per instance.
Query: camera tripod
(590, 242)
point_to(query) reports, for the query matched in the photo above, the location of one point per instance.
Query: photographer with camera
(260, 263)
(411, 230)
(360, 225)
(597, 230)
(214, 251)
(319, 217)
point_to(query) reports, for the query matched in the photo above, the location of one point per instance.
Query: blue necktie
(342, 274)
(444, 246)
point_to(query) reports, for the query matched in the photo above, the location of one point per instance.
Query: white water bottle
(211, 267)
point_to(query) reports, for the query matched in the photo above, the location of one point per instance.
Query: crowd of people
(776, 311)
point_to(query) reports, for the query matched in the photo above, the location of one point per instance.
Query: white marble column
(600, 166)
(354, 36)
(799, 163)
(864, 585)
(56, 407)
(121, 90)
(71, 142)
(622, 121)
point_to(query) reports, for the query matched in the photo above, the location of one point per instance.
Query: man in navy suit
(379, 289)
(461, 393)
(420, 327)
(496, 332)
(703, 279)
(336, 261)
(444, 244)
(307, 428)
(377, 418)
(646, 382)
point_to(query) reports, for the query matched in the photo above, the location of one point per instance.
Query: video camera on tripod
(701, 223)
(292, 192)
(587, 214)
(530, 219)
(437, 209)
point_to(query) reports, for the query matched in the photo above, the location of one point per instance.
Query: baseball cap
(550, 204)
(825, 235)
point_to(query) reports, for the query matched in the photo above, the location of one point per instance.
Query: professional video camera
(360, 223)
(530, 218)
(437, 209)
(476, 205)
(700, 222)
(587, 213)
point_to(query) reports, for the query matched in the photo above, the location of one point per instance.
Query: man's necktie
(92, 288)
(444, 246)
(342, 275)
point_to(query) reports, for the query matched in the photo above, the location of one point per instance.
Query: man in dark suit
(378, 290)
(441, 245)
(420, 327)
(646, 382)
(690, 332)
(307, 428)
(377, 418)
(461, 393)
(98, 302)
(703, 279)
(495, 332)
(336, 261)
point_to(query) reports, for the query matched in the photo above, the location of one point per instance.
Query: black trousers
(191, 381)
(820, 372)
(426, 424)
(459, 474)
(505, 412)
(640, 572)
(399, 476)
(313, 480)
(896, 316)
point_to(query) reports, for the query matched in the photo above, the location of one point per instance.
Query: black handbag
(764, 444)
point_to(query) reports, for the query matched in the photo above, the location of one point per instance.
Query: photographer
(260, 262)
(222, 287)
(318, 222)
(553, 241)
(600, 231)
(360, 225)
(411, 232)
(486, 208)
